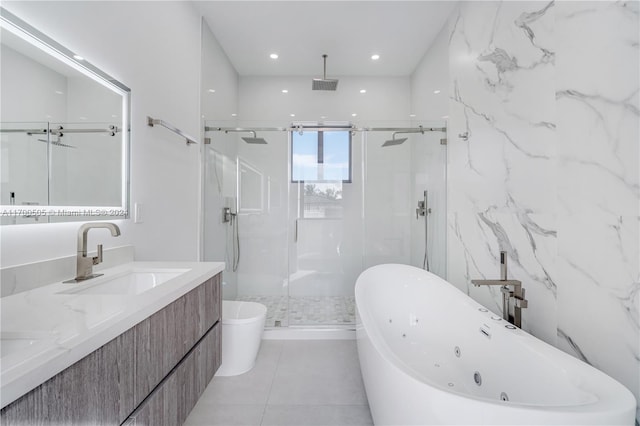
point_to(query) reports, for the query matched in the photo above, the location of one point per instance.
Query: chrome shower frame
(302, 129)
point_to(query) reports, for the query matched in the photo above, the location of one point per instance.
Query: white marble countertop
(56, 330)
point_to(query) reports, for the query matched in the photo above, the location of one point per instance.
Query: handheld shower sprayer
(423, 209)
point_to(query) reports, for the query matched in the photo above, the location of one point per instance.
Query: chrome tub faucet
(84, 263)
(512, 293)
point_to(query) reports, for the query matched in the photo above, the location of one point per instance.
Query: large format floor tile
(318, 372)
(317, 415)
(294, 382)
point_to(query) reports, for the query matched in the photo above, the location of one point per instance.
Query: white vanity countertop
(64, 328)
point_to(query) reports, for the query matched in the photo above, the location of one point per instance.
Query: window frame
(320, 140)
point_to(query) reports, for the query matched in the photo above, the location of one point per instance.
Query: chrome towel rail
(155, 121)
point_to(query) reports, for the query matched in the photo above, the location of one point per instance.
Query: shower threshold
(309, 333)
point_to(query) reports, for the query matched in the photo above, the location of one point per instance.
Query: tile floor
(294, 382)
(307, 310)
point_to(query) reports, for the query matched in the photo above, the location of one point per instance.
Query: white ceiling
(348, 31)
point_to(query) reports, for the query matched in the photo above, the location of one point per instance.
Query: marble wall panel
(548, 94)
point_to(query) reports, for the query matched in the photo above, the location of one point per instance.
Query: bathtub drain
(456, 350)
(477, 378)
(504, 396)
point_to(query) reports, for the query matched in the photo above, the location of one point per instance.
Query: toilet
(242, 326)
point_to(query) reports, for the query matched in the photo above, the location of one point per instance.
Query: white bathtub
(423, 344)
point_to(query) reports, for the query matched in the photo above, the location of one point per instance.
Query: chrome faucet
(511, 290)
(84, 263)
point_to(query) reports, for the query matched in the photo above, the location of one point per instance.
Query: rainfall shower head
(394, 141)
(324, 83)
(56, 143)
(248, 139)
(254, 140)
(419, 129)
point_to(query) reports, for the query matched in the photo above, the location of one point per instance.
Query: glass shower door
(262, 222)
(326, 231)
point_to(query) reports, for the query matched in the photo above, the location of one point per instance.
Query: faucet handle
(98, 258)
(521, 302)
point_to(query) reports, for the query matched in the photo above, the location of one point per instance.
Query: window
(321, 164)
(318, 156)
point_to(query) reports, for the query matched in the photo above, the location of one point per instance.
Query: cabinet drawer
(172, 400)
(163, 339)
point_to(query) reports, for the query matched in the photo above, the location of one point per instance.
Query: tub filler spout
(512, 293)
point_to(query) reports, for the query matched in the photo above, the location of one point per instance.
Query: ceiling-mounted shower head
(394, 141)
(324, 83)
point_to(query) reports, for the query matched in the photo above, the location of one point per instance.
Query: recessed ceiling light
(212, 90)
(292, 115)
(274, 56)
(412, 115)
(58, 92)
(363, 91)
(234, 115)
(445, 116)
(375, 57)
(114, 116)
(436, 92)
(354, 115)
(323, 116)
(83, 118)
(78, 57)
(285, 91)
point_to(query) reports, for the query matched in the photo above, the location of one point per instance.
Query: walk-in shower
(316, 206)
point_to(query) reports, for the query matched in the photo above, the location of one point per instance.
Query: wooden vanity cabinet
(152, 374)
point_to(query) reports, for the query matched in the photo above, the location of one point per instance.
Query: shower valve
(422, 210)
(227, 215)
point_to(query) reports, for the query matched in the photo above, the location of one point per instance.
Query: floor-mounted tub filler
(429, 354)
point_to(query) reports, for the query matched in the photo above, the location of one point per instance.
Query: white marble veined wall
(548, 93)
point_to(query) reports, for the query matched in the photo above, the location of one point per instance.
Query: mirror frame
(18, 27)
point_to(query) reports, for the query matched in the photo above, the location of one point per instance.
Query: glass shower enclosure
(298, 212)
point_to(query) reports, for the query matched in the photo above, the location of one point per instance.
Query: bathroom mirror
(64, 132)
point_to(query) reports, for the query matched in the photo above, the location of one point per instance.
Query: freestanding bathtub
(429, 354)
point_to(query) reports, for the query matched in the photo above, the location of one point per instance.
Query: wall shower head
(394, 141)
(324, 83)
(254, 140)
(248, 139)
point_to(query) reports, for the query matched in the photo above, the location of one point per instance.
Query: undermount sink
(11, 342)
(128, 283)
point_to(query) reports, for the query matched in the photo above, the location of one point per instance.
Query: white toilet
(242, 326)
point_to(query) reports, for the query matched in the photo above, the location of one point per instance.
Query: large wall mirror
(64, 132)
